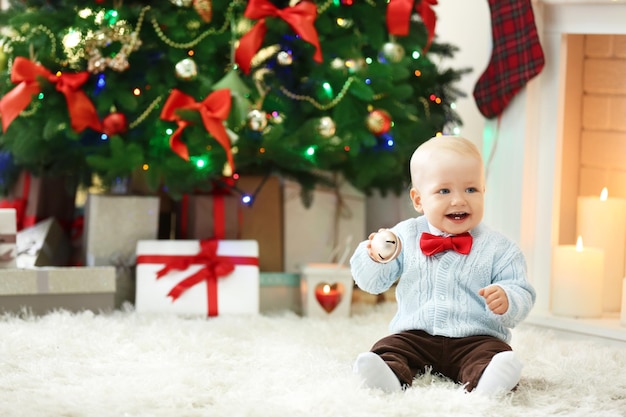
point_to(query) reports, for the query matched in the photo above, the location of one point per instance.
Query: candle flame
(326, 289)
(579, 244)
(604, 194)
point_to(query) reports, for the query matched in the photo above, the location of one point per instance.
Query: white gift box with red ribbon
(198, 277)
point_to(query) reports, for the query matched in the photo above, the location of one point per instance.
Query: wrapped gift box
(333, 225)
(37, 198)
(326, 290)
(44, 244)
(113, 226)
(8, 227)
(263, 220)
(41, 290)
(280, 292)
(192, 277)
(227, 217)
(204, 216)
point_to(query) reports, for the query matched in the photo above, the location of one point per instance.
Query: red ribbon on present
(301, 18)
(82, 111)
(219, 216)
(399, 17)
(214, 267)
(214, 109)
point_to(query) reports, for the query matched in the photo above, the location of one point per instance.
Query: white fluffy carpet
(128, 364)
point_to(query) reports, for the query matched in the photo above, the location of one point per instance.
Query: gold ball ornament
(393, 52)
(385, 246)
(186, 69)
(378, 122)
(257, 120)
(326, 127)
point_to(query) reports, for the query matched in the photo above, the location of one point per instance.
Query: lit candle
(577, 280)
(328, 296)
(602, 221)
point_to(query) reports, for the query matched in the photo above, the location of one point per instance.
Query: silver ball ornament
(386, 246)
(186, 69)
(393, 52)
(338, 64)
(284, 58)
(257, 120)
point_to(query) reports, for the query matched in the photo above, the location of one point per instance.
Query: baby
(461, 286)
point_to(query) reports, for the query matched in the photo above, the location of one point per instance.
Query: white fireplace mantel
(524, 154)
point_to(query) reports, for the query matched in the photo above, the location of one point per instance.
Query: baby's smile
(457, 216)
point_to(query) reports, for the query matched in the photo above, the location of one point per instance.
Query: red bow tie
(432, 244)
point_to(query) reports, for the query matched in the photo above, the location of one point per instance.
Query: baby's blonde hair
(438, 144)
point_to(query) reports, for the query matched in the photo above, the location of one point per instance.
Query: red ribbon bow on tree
(301, 19)
(399, 17)
(214, 109)
(431, 244)
(82, 111)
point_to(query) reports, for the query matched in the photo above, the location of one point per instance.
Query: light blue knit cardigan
(439, 294)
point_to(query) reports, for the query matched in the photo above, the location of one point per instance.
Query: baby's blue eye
(444, 191)
(471, 190)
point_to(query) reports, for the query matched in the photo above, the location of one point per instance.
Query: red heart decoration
(328, 295)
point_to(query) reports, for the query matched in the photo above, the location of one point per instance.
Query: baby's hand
(496, 298)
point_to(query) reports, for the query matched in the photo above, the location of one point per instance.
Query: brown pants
(461, 359)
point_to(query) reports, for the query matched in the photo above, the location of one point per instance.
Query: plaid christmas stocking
(515, 59)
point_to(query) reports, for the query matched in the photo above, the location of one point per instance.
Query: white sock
(502, 374)
(376, 373)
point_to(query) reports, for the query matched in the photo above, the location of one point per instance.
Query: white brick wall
(603, 136)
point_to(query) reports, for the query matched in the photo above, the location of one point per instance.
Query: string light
(247, 199)
(101, 83)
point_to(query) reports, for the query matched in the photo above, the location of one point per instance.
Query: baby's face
(450, 192)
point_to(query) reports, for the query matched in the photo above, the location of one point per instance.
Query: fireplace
(562, 138)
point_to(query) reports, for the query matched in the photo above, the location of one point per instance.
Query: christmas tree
(193, 94)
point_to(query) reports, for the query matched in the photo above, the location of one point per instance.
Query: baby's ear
(416, 199)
